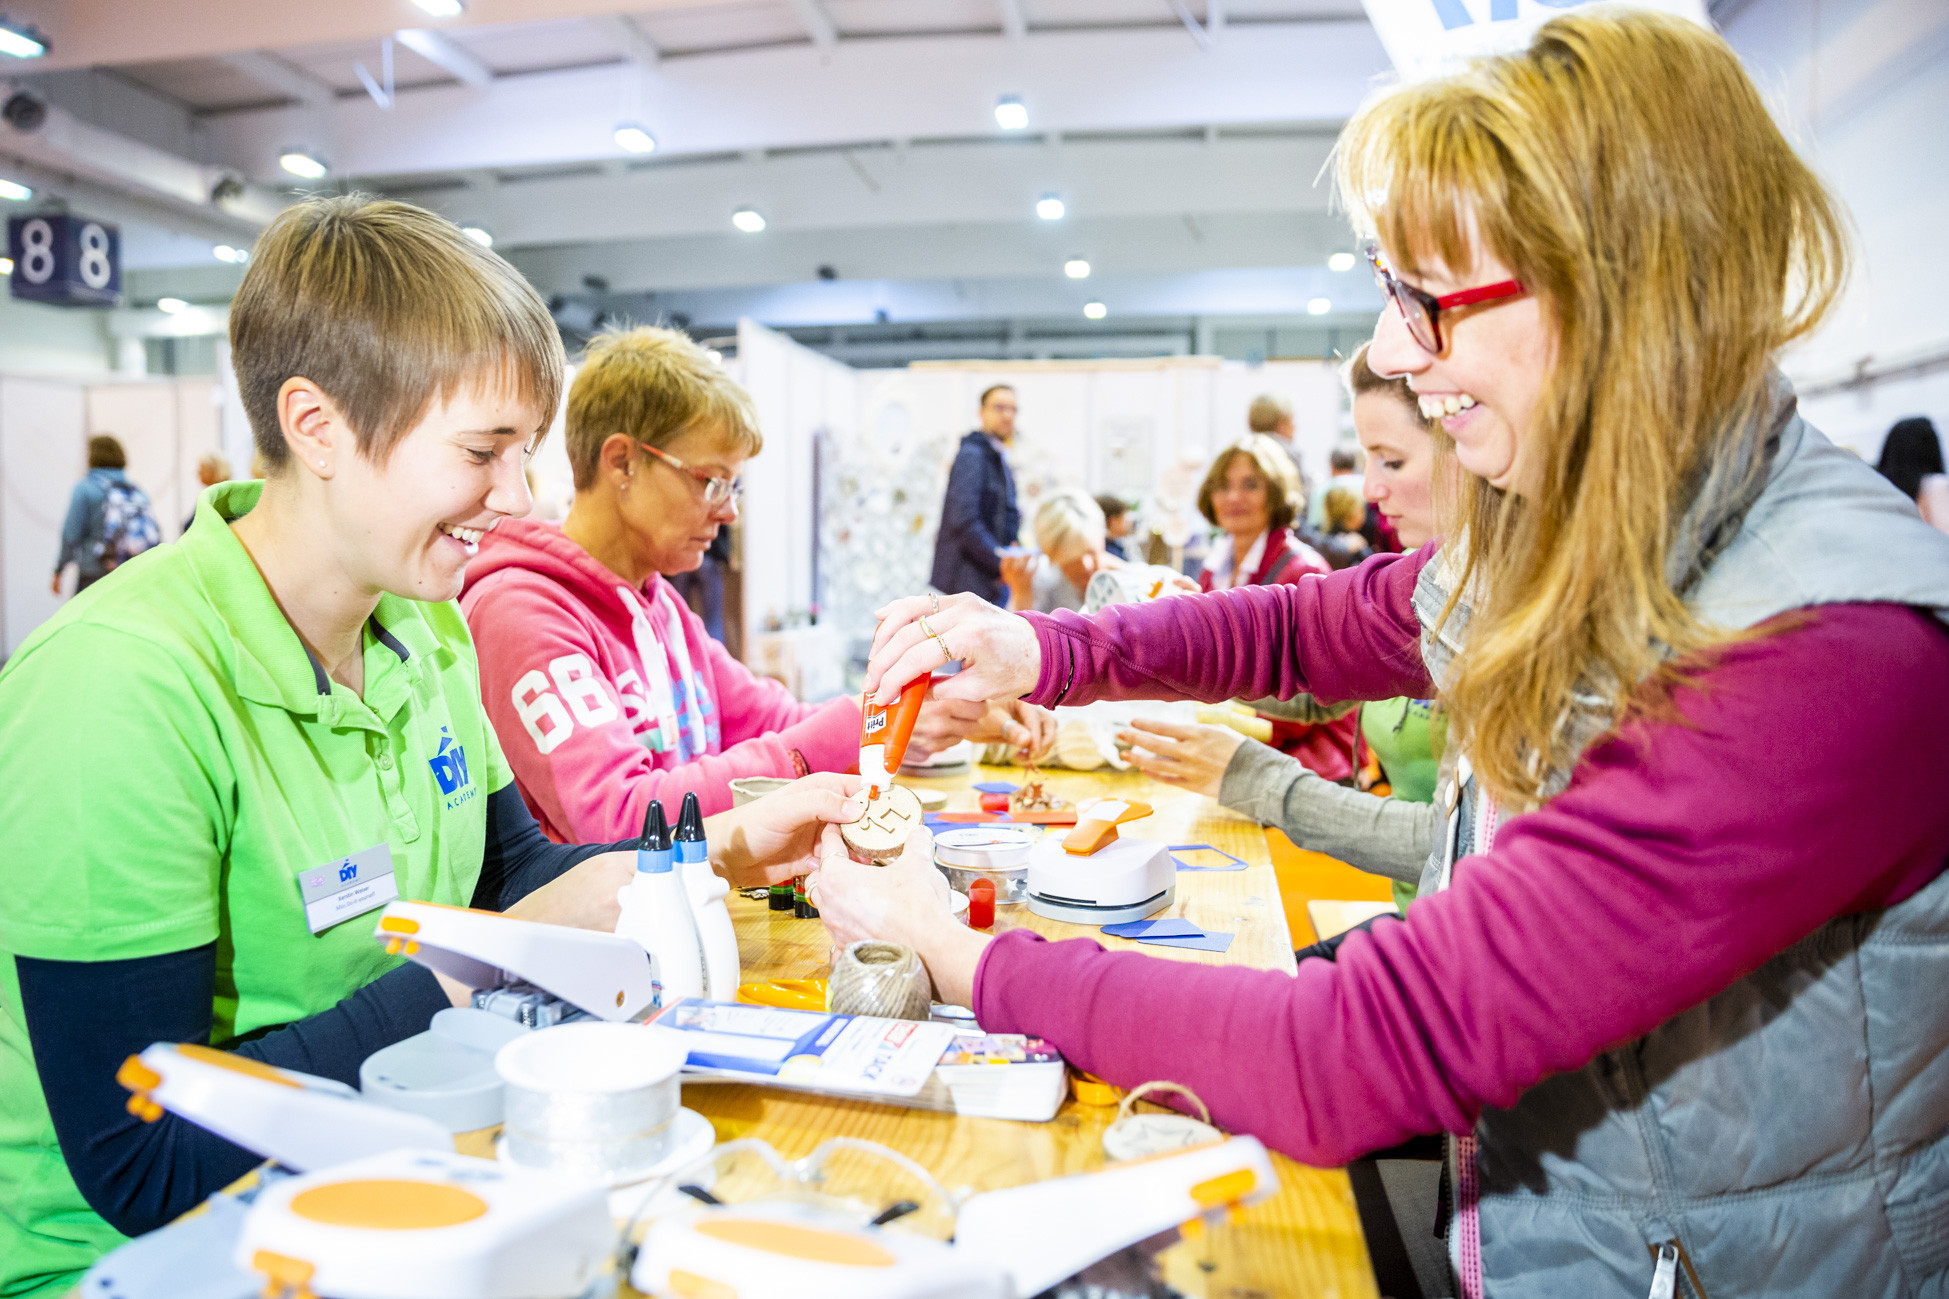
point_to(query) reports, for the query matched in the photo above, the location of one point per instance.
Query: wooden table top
(1305, 1241)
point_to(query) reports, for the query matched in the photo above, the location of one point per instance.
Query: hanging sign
(1430, 38)
(65, 258)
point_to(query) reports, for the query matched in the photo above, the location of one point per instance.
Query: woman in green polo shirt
(287, 687)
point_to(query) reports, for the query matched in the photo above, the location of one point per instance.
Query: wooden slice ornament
(890, 821)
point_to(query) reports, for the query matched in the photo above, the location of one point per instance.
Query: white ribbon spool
(594, 1100)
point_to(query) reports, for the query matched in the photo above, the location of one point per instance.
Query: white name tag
(348, 887)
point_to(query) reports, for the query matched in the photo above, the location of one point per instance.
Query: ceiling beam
(438, 50)
(629, 39)
(1015, 23)
(274, 74)
(797, 96)
(817, 22)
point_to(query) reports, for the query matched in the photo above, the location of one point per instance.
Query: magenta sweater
(1806, 782)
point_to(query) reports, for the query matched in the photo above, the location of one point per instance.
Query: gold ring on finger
(925, 630)
(935, 597)
(947, 655)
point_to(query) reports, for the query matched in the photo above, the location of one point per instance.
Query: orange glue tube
(884, 730)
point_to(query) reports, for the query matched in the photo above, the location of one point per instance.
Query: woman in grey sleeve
(1389, 836)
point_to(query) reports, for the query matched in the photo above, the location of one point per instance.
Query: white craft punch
(1091, 876)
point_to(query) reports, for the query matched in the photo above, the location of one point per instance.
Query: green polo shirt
(171, 759)
(1407, 735)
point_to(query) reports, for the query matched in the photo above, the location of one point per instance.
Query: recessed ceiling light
(1340, 262)
(479, 235)
(22, 42)
(1011, 114)
(6, 266)
(748, 220)
(225, 253)
(1095, 310)
(635, 139)
(441, 8)
(1319, 306)
(1050, 207)
(302, 163)
(1076, 269)
(171, 305)
(14, 190)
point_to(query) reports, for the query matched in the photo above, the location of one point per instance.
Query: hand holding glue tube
(998, 651)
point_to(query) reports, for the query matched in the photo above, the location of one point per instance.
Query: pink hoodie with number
(605, 695)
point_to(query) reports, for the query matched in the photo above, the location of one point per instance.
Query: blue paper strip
(1146, 929)
(1198, 942)
(1236, 863)
(994, 787)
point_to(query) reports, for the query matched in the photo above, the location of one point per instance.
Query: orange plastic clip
(1097, 822)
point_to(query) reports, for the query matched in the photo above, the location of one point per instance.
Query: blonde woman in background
(1675, 988)
(1071, 533)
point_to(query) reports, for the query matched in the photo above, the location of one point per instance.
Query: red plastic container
(981, 904)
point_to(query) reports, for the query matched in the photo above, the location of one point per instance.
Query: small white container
(591, 1099)
(997, 853)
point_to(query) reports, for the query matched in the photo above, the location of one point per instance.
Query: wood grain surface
(1305, 1241)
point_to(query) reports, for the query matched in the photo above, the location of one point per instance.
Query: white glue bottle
(707, 891)
(656, 913)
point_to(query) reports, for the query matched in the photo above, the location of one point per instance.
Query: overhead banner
(1429, 38)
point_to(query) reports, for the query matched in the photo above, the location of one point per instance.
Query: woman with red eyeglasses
(1674, 985)
(603, 686)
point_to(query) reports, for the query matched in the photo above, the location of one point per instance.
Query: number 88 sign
(65, 258)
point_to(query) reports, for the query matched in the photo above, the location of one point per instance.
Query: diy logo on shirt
(450, 769)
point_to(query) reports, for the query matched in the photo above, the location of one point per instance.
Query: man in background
(1272, 415)
(1117, 524)
(979, 515)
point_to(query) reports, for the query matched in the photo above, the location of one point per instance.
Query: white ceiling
(1186, 139)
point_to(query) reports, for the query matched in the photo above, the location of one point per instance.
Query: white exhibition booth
(839, 511)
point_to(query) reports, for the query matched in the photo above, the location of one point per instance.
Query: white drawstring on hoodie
(688, 736)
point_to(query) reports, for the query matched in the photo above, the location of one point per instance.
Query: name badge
(348, 887)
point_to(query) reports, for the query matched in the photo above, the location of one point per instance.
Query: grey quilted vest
(1790, 1136)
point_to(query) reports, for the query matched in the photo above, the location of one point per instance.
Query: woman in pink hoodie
(603, 686)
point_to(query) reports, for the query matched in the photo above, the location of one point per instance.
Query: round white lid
(984, 847)
(588, 1057)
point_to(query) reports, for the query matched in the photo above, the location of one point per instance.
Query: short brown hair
(652, 385)
(991, 390)
(1266, 412)
(387, 308)
(104, 452)
(1273, 464)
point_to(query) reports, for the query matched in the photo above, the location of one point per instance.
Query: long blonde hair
(1626, 170)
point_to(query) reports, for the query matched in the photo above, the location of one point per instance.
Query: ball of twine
(883, 980)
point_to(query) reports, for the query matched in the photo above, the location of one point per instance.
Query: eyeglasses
(717, 489)
(1422, 310)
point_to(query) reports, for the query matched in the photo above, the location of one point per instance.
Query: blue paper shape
(1198, 942)
(994, 787)
(1148, 929)
(1236, 863)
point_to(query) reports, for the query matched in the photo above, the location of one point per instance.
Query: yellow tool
(791, 994)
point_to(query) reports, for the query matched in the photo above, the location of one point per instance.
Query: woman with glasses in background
(603, 686)
(1674, 987)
